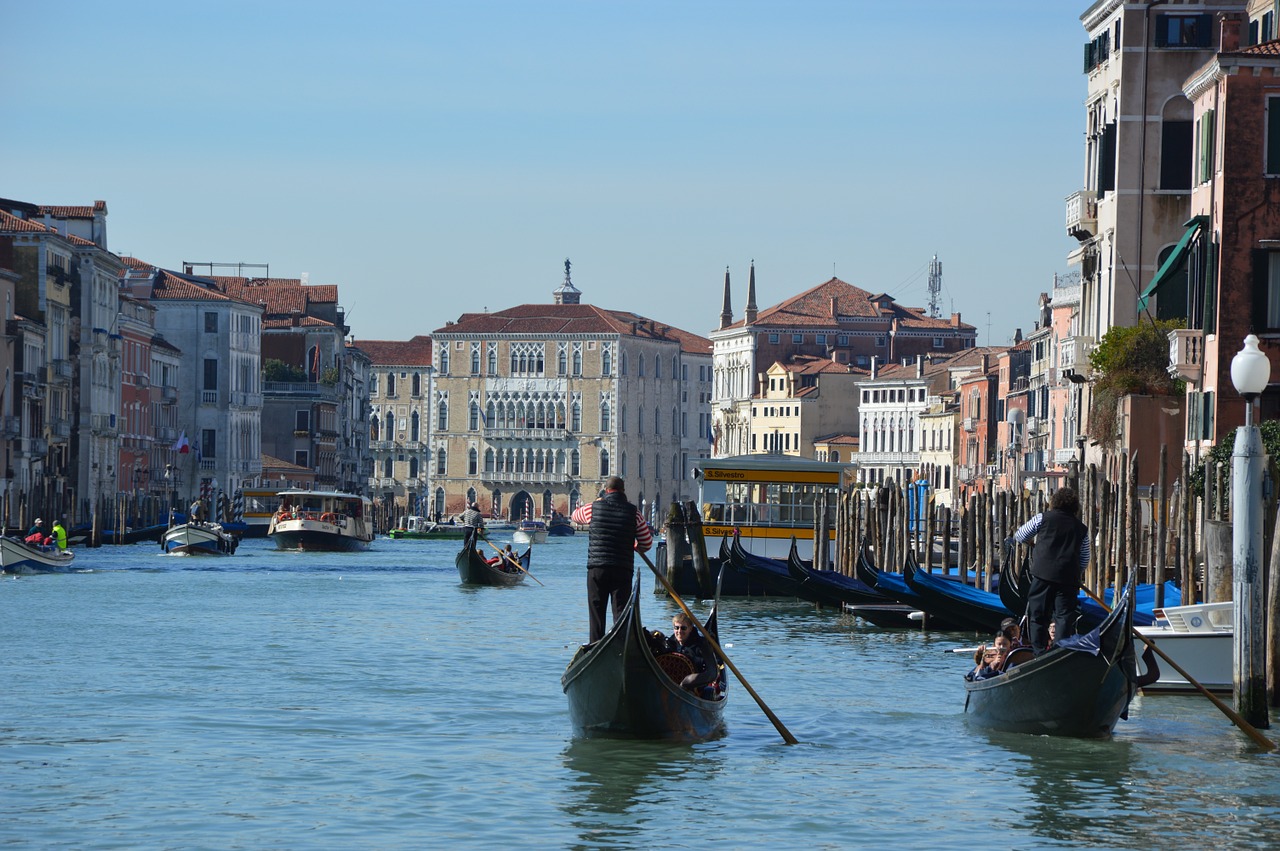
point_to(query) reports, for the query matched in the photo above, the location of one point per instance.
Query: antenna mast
(935, 285)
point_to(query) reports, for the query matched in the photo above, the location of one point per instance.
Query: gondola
(954, 601)
(1080, 688)
(895, 587)
(1016, 584)
(769, 572)
(830, 587)
(891, 615)
(474, 570)
(617, 687)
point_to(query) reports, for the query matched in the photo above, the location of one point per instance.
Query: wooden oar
(1249, 730)
(782, 730)
(516, 562)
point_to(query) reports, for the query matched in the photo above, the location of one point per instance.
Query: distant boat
(322, 520)
(198, 539)
(559, 526)
(420, 528)
(473, 569)
(20, 557)
(530, 532)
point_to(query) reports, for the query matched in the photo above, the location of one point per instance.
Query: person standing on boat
(472, 517)
(616, 531)
(1061, 554)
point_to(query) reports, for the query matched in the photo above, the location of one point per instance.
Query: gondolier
(1061, 554)
(617, 530)
(472, 517)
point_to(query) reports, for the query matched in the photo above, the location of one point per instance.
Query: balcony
(59, 429)
(1082, 215)
(527, 434)
(246, 400)
(168, 435)
(103, 424)
(1074, 354)
(969, 424)
(1186, 354)
(251, 468)
(60, 369)
(32, 391)
(208, 397)
(307, 389)
(169, 394)
(1064, 456)
(12, 428)
(511, 477)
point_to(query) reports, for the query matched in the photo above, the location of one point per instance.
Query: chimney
(1229, 39)
(834, 313)
(955, 320)
(875, 366)
(919, 366)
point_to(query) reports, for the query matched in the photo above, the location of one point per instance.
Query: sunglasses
(682, 628)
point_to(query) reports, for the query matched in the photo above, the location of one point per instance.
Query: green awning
(1173, 263)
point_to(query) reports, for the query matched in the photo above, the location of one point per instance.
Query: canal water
(300, 700)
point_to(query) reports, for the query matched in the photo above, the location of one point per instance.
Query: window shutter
(1261, 284)
(1204, 30)
(1273, 136)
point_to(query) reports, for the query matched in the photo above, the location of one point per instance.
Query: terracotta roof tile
(72, 212)
(414, 352)
(585, 319)
(10, 222)
(1267, 48)
(813, 308)
(169, 285)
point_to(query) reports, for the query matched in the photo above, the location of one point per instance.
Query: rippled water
(369, 700)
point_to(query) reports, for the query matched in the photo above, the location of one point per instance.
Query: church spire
(750, 316)
(726, 308)
(567, 293)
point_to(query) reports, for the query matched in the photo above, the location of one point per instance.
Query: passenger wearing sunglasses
(688, 642)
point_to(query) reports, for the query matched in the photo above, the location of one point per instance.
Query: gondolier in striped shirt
(1057, 564)
(617, 530)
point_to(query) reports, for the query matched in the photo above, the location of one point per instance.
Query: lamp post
(1250, 372)
(1016, 417)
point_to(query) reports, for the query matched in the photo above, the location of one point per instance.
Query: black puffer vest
(1057, 553)
(613, 532)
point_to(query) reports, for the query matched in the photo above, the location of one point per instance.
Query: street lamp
(1250, 372)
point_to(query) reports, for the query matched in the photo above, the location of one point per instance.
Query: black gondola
(474, 570)
(830, 587)
(895, 587)
(1080, 690)
(618, 687)
(892, 615)
(954, 601)
(769, 572)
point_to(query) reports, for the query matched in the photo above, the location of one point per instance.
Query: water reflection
(616, 787)
(1069, 783)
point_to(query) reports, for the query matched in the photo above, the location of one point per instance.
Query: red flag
(182, 446)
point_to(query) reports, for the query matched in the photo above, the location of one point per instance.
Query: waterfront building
(1231, 245)
(801, 400)
(1133, 207)
(938, 429)
(219, 400)
(977, 460)
(10, 427)
(536, 405)
(400, 385)
(835, 321)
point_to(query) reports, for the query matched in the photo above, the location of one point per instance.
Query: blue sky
(438, 158)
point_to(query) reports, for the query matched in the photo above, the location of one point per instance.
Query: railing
(1064, 455)
(382, 445)
(968, 424)
(251, 467)
(60, 428)
(61, 368)
(37, 447)
(1186, 353)
(32, 391)
(513, 477)
(208, 463)
(547, 433)
(327, 392)
(169, 393)
(12, 427)
(1082, 214)
(246, 400)
(103, 423)
(896, 458)
(166, 434)
(208, 397)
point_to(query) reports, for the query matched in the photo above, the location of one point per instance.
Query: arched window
(657, 366)
(835, 456)
(375, 424)
(604, 463)
(606, 360)
(439, 508)
(413, 427)
(493, 360)
(473, 421)
(562, 361)
(640, 365)
(606, 423)
(416, 384)
(574, 497)
(473, 461)
(475, 359)
(444, 359)
(391, 426)
(577, 360)
(413, 467)
(657, 422)
(442, 413)
(488, 460)
(491, 415)
(575, 420)
(622, 420)
(575, 463)
(623, 363)
(387, 471)
(622, 468)
(441, 462)
(471, 495)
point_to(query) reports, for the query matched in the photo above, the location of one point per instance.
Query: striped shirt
(644, 533)
(1028, 531)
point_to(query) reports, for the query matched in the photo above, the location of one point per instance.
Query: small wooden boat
(474, 569)
(1081, 687)
(530, 532)
(895, 587)
(17, 556)
(560, 527)
(421, 529)
(891, 615)
(1199, 637)
(329, 521)
(830, 587)
(198, 539)
(618, 687)
(953, 601)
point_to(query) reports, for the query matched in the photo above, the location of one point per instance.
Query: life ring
(329, 517)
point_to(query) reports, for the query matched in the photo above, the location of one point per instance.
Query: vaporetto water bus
(768, 499)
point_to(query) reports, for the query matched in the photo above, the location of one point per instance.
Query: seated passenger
(688, 642)
(989, 661)
(1012, 630)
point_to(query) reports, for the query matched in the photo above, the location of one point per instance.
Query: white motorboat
(20, 557)
(198, 539)
(530, 532)
(1199, 638)
(322, 520)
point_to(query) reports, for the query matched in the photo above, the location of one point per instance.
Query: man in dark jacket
(1057, 564)
(688, 642)
(616, 530)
